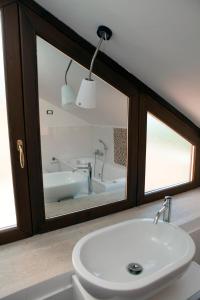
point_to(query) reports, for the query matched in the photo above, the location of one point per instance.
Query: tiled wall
(120, 146)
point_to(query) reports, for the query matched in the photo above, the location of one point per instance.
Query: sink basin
(158, 254)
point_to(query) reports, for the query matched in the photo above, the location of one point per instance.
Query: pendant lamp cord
(95, 54)
(68, 67)
(92, 61)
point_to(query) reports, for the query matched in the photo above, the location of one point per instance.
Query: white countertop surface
(41, 257)
(183, 288)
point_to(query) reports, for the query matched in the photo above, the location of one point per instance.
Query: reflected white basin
(62, 185)
(101, 258)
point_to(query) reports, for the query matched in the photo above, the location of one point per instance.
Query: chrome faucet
(89, 168)
(165, 211)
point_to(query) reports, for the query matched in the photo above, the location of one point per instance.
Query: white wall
(104, 133)
(60, 117)
(63, 135)
(66, 136)
(65, 143)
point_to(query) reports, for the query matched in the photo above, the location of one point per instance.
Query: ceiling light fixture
(67, 93)
(86, 97)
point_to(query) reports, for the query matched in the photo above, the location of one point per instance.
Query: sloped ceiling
(156, 40)
(111, 108)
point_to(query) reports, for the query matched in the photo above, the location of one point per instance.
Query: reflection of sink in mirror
(62, 185)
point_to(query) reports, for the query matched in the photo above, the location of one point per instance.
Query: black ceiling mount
(105, 32)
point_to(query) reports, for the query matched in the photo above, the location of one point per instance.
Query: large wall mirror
(84, 151)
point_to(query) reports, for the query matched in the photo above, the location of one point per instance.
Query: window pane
(169, 157)
(84, 151)
(7, 204)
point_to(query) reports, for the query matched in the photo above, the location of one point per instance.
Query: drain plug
(134, 268)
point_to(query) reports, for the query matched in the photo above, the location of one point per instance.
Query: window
(169, 157)
(7, 202)
(159, 149)
(180, 139)
(15, 214)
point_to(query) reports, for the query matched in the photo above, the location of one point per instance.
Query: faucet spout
(165, 211)
(159, 213)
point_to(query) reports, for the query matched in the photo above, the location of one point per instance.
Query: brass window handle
(21, 153)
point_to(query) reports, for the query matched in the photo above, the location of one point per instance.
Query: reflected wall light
(67, 93)
(86, 97)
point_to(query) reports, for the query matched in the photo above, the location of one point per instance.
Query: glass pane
(169, 157)
(7, 203)
(73, 137)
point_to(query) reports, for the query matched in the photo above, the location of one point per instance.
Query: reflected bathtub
(118, 184)
(62, 185)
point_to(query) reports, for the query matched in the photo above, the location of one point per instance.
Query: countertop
(41, 257)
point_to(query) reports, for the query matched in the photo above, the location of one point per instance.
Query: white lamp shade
(87, 94)
(67, 95)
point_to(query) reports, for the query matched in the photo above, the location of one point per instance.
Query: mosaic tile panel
(120, 146)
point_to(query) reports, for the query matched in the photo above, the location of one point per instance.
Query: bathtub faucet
(165, 211)
(104, 159)
(89, 168)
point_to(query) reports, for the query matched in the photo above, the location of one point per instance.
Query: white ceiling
(158, 41)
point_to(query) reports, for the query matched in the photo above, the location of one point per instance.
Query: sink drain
(134, 268)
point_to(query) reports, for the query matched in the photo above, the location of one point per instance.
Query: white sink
(101, 258)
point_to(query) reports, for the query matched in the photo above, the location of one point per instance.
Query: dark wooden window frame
(33, 25)
(15, 111)
(36, 21)
(23, 20)
(148, 104)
